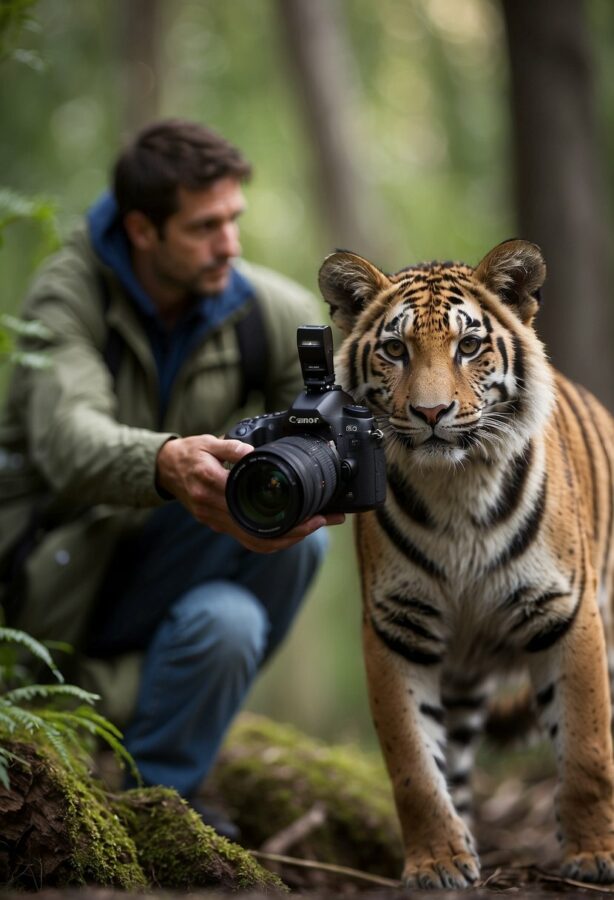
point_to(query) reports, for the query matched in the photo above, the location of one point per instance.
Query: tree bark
(320, 61)
(141, 26)
(559, 183)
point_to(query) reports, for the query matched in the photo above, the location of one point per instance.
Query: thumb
(228, 451)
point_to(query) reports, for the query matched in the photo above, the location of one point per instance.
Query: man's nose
(228, 243)
(431, 414)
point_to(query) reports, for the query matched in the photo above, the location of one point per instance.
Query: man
(117, 534)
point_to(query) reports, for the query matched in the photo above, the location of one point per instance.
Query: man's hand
(191, 469)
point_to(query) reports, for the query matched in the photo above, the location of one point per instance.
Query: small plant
(48, 711)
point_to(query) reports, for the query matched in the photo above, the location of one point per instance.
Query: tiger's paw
(593, 867)
(460, 870)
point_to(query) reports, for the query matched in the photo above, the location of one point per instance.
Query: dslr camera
(323, 455)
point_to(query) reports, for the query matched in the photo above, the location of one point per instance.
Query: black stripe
(549, 636)
(462, 808)
(411, 654)
(464, 734)
(511, 492)
(433, 712)
(401, 619)
(554, 730)
(526, 534)
(407, 499)
(463, 702)
(366, 350)
(459, 779)
(419, 605)
(403, 544)
(353, 375)
(503, 352)
(519, 367)
(441, 764)
(528, 615)
(546, 696)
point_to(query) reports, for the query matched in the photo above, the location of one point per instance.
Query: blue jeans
(207, 613)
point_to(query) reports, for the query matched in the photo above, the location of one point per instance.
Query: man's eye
(395, 349)
(469, 345)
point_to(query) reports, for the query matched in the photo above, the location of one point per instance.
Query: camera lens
(264, 493)
(283, 483)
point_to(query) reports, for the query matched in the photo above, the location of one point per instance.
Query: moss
(176, 850)
(269, 775)
(59, 829)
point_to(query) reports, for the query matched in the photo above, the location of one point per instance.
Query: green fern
(39, 710)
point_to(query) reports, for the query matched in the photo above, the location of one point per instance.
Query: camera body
(324, 454)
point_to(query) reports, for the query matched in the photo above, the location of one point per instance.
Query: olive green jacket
(78, 447)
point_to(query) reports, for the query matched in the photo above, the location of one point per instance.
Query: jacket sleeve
(70, 411)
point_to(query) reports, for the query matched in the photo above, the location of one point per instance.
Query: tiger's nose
(431, 414)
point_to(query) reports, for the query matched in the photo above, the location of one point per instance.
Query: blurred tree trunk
(320, 60)
(559, 183)
(141, 25)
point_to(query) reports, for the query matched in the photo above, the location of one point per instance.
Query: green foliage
(15, 207)
(12, 328)
(60, 715)
(14, 18)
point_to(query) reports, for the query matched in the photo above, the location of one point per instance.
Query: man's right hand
(191, 469)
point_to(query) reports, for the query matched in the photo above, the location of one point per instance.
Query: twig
(295, 832)
(602, 888)
(327, 867)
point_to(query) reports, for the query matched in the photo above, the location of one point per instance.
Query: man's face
(199, 239)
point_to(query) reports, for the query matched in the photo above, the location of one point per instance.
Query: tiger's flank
(493, 550)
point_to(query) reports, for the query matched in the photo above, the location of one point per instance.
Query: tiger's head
(444, 353)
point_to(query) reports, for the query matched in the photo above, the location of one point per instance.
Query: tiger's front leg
(405, 702)
(572, 692)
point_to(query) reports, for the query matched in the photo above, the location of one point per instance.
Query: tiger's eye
(468, 345)
(395, 349)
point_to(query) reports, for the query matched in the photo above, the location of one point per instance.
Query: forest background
(403, 129)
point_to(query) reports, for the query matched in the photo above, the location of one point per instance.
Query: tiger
(492, 552)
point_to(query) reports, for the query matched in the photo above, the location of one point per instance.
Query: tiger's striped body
(493, 550)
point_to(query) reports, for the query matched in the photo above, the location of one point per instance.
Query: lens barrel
(283, 483)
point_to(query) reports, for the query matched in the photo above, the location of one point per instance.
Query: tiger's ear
(348, 283)
(515, 270)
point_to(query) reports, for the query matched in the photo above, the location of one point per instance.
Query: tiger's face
(444, 353)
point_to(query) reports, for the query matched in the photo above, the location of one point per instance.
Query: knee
(222, 619)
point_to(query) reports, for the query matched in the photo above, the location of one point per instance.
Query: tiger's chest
(450, 579)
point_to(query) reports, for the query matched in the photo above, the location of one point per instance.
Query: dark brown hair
(169, 154)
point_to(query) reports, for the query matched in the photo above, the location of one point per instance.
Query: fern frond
(25, 327)
(98, 727)
(14, 636)
(8, 721)
(88, 713)
(48, 692)
(7, 756)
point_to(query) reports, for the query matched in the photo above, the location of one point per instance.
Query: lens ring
(306, 472)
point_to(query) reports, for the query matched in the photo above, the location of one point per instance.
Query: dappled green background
(433, 142)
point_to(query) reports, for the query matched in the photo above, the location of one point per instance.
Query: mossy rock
(270, 775)
(176, 850)
(60, 828)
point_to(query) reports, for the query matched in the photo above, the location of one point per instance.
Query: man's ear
(515, 271)
(348, 284)
(141, 231)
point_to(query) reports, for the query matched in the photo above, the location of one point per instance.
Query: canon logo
(304, 420)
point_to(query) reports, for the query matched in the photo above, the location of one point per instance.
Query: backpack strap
(253, 347)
